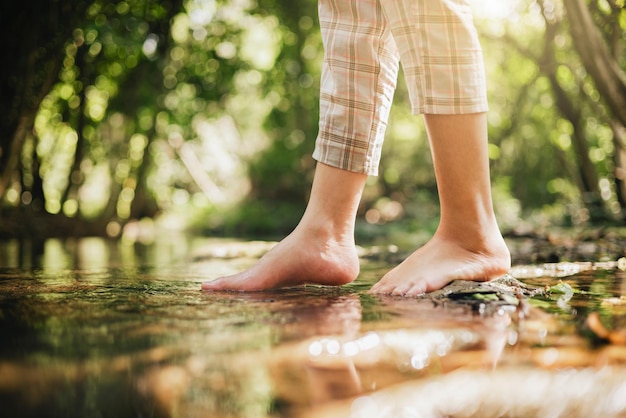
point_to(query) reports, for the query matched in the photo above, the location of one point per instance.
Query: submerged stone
(485, 297)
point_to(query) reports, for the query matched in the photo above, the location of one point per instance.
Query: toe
(381, 288)
(212, 285)
(401, 290)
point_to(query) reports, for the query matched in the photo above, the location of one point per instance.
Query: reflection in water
(339, 369)
(94, 328)
(501, 393)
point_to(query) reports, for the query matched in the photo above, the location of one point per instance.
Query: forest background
(125, 118)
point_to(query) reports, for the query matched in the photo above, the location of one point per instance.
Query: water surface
(90, 328)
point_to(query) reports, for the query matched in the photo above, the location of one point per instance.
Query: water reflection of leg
(333, 377)
(281, 365)
(161, 390)
(410, 357)
(392, 358)
(322, 326)
(300, 312)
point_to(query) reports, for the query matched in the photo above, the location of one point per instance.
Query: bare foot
(441, 261)
(302, 257)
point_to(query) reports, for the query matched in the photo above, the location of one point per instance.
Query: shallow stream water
(91, 328)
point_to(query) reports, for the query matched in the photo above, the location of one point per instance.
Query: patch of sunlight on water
(97, 328)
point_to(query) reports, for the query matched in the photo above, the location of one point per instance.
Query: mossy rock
(485, 297)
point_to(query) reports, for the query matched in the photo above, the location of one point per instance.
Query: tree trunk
(602, 63)
(596, 56)
(33, 50)
(589, 185)
(619, 162)
(75, 176)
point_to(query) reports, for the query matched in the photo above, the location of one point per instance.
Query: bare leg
(320, 250)
(467, 244)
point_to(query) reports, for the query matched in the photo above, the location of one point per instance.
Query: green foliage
(204, 113)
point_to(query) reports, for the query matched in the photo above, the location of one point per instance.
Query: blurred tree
(34, 40)
(599, 40)
(281, 175)
(67, 67)
(578, 72)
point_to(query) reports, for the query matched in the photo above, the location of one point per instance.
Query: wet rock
(485, 297)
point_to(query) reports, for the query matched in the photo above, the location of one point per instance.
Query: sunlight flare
(495, 9)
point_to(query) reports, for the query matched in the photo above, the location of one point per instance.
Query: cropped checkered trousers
(364, 43)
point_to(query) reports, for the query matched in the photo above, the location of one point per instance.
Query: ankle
(324, 229)
(473, 237)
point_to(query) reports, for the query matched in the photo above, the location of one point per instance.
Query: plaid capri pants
(364, 43)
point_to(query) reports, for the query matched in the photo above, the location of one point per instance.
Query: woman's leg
(442, 58)
(320, 250)
(467, 244)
